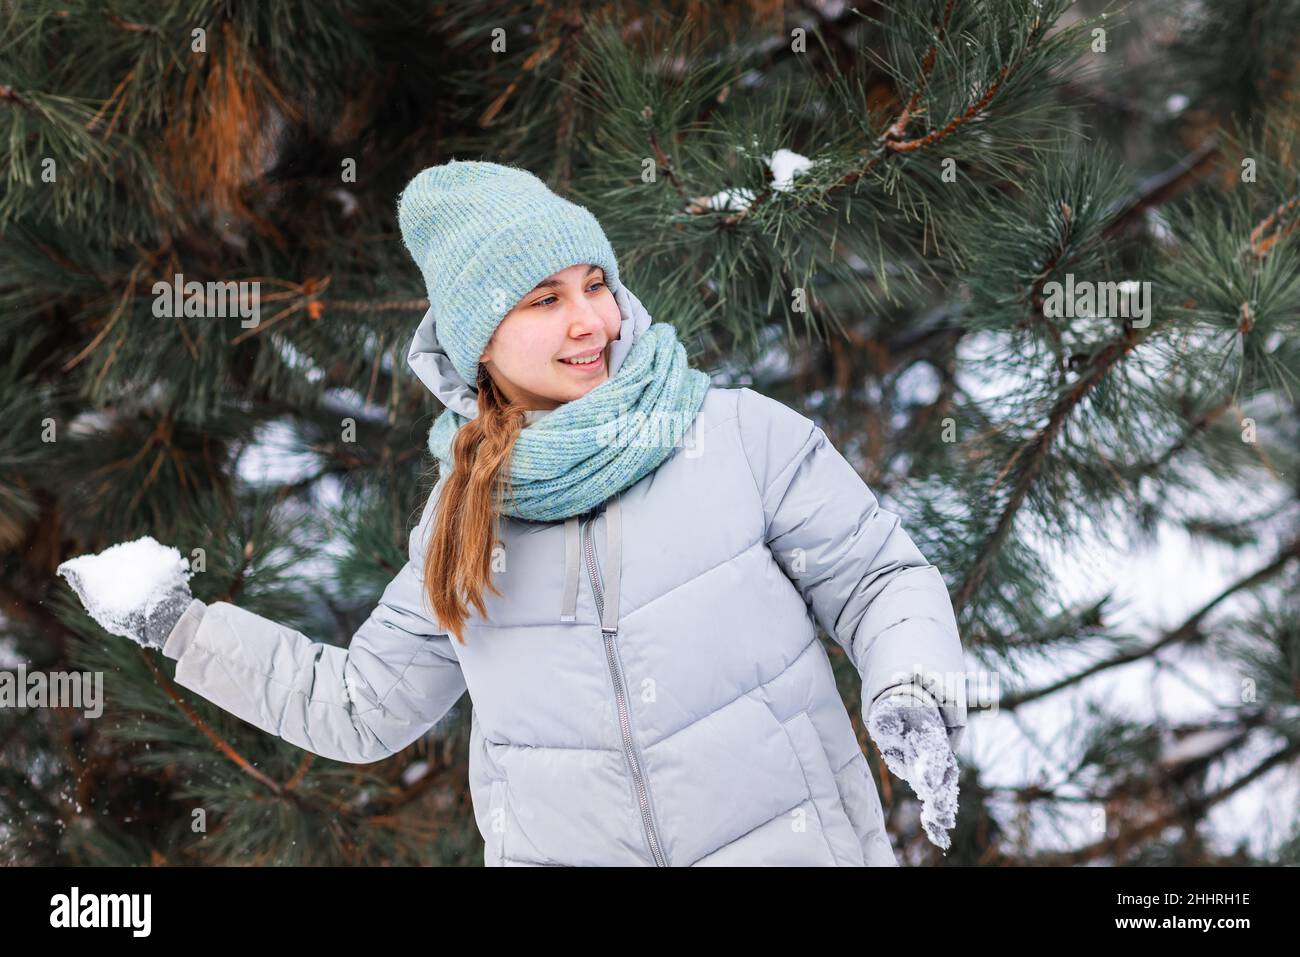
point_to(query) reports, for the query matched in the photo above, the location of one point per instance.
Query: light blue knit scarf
(584, 451)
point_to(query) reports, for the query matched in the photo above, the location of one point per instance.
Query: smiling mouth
(585, 362)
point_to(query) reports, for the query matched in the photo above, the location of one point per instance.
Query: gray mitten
(912, 739)
(137, 590)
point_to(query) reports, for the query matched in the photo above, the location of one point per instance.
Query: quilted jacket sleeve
(864, 579)
(397, 678)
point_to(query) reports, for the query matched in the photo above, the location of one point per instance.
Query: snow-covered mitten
(137, 590)
(913, 740)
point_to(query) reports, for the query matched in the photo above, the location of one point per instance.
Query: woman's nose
(586, 319)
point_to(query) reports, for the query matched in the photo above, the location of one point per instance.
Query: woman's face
(569, 314)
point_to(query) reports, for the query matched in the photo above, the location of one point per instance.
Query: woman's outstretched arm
(359, 704)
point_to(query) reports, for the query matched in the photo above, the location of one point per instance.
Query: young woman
(625, 567)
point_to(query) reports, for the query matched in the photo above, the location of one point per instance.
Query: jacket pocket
(836, 827)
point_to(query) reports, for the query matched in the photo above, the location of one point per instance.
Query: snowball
(124, 581)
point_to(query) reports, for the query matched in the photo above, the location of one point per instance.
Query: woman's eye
(549, 299)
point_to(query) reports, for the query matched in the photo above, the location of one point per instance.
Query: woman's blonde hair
(458, 560)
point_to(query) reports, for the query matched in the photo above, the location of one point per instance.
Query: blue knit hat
(484, 235)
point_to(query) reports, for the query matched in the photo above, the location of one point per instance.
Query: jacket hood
(431, 363)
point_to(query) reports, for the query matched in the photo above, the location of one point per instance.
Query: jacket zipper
(625, 724)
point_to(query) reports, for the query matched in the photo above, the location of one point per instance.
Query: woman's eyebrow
(549, 283)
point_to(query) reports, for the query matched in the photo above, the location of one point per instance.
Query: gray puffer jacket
(649, 689)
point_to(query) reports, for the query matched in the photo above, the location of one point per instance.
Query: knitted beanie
(483, 236)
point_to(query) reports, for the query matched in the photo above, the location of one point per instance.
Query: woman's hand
(914, 743)
(137, 590)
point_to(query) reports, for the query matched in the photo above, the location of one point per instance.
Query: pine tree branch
(130, 27)
(566, 113)
(664, 163)
(117, 21)
(305, 301)
(389, 305)
(308, 759)
(1164, 186)
(1038, 448)
(237, 582)
(885, 148)
(572, 29)
(221, 743)
(1186, 631)
(10, 95)
(1100, 364)
(1198, 425)
(1127, 788)
(1193, 807)
(133, 285)
(899, 126)
(1040, 282)
(934, 136)
(1261, 244)
(116, 95)
(405, 795)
